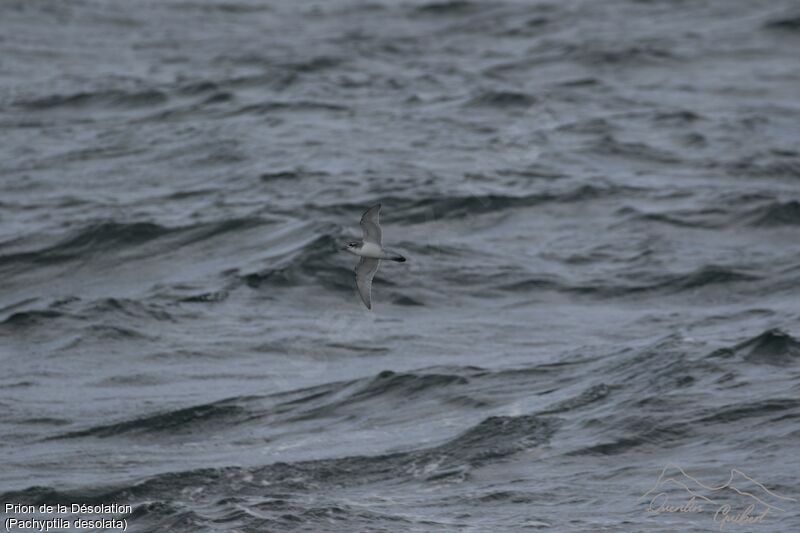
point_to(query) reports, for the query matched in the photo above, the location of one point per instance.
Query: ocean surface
(600, 312)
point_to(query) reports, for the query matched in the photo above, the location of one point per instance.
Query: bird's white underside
(371, 252)
(369, 249)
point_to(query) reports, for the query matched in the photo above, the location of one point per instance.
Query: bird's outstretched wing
(365, 271)
(371, 226)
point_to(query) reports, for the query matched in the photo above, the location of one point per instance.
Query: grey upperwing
(365, 271)
(370, 225)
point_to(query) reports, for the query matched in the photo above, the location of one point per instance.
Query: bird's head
(352, 246)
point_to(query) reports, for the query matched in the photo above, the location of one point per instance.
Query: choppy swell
(590, 419)
(300, 255)
(328, 400)
(271, 488)
(666, 361)
(598, 202)
(774, 347)
(668, 364)
(111, 236)
(119, 99)
(410, 210)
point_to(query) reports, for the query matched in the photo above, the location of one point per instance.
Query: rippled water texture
(599, 200)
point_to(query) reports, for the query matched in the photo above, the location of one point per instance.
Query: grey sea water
(600, 203)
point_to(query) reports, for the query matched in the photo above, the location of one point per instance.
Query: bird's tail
(394, 256)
